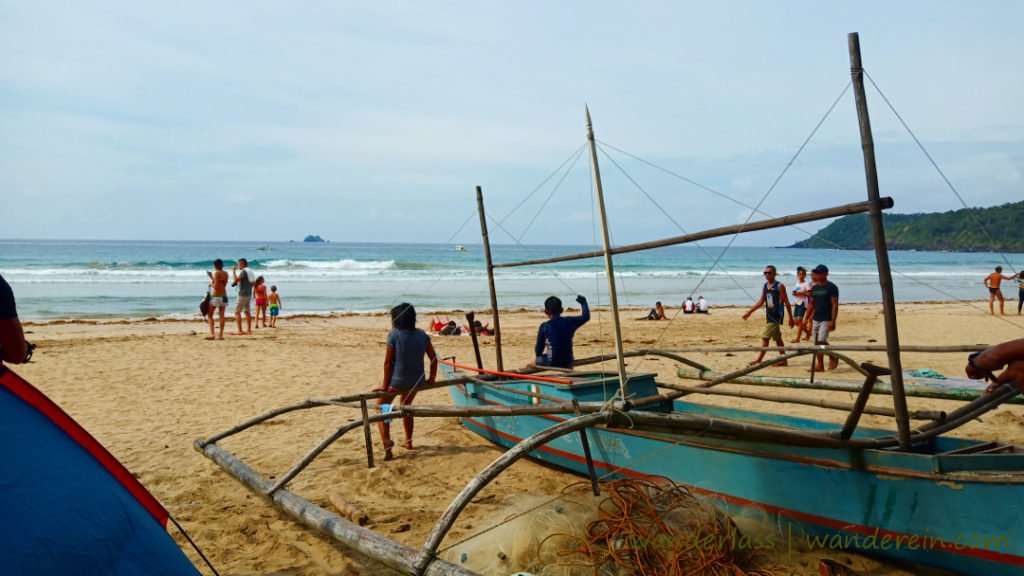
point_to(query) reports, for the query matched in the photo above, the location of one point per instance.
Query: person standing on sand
(403, 369)
(259, 290)
(244, 278)
(822, 311)
(13, 347)
(1020, 290)
(218, 297)
(554, 337)
(773, 298)
(992, 282)
(800, 292)
(275, 306)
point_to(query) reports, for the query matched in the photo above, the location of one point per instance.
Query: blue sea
(141, 279)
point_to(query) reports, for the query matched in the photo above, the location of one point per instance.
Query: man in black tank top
(773, 298)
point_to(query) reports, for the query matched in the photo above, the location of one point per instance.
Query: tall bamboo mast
(892, 337)
(609, 269)
(490, 277)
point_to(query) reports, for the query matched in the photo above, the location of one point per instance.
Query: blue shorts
(799, 310)
(274, 310)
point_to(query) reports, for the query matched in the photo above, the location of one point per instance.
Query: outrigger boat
(912, 495)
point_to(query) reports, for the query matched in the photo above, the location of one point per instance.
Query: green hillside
(956, 230)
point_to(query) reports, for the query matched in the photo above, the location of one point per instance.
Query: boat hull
(953, 512)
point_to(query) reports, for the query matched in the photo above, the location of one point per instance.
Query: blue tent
(67, 506)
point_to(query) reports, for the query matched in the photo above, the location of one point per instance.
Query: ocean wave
(343, 264)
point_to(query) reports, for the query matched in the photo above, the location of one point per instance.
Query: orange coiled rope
(655, 527)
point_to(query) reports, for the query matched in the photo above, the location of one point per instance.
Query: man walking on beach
(822, 310)
(773, 297)
(244, 277)
(218, 296)
(992, 282)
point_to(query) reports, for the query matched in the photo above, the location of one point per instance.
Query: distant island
(956, 230)
(313, 238)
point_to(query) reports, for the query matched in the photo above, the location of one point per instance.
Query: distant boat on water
(265, 248)
(461, 248)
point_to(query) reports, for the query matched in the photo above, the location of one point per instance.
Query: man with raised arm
(554, 337)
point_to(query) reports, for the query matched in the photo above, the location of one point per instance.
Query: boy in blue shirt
(554, 337)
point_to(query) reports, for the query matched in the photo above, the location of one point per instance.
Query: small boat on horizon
(460, 248)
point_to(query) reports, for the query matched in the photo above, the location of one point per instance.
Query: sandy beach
(148, 389)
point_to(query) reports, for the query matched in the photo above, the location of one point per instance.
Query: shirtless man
(218, 297)
(992, 282)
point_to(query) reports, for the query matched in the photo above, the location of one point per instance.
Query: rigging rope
(977, 220)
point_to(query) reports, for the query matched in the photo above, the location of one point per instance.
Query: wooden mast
(892, 337)
(609, 269)
(490, 277)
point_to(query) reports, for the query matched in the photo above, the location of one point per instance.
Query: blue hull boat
(949, 503)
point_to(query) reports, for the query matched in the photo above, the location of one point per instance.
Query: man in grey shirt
(244, 277)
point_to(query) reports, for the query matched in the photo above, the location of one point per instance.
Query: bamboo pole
(837, 348)
(476, 341)
(348, 509)
(490, 277)
(367, 542)
(856, 208)
(892, 336)
(833, 385)
(608, 266)
(313, 403)
(816, 402)
(367, 437)
(585, 442)
(428, 554)
(308, 459)
(860, 406)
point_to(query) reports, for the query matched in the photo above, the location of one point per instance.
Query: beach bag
(204, 306)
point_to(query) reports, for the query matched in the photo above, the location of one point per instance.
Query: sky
(375, 121)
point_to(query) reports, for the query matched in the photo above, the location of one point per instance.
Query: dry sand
(147, 390)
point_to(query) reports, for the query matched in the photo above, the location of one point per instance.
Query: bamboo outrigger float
(934, 494)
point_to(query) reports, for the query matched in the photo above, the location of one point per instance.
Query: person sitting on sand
(992, 282)
(437, 323)
(481, 329)
(274, 302)
(822, 311)
(13, 347)
(773, 298)
(984, 364)
(688, 306)
(259, 290)
(554, 337)
(403, 369)
(656, 313)
(702, 305)
(218, 297)
(450, 329)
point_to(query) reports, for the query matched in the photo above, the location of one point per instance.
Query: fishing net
(649, 527)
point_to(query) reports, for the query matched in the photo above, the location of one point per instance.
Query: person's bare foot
(754, 363)
(220, 337)
(388, 455)
(407, 445)
(783, 363)
(210, 338)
